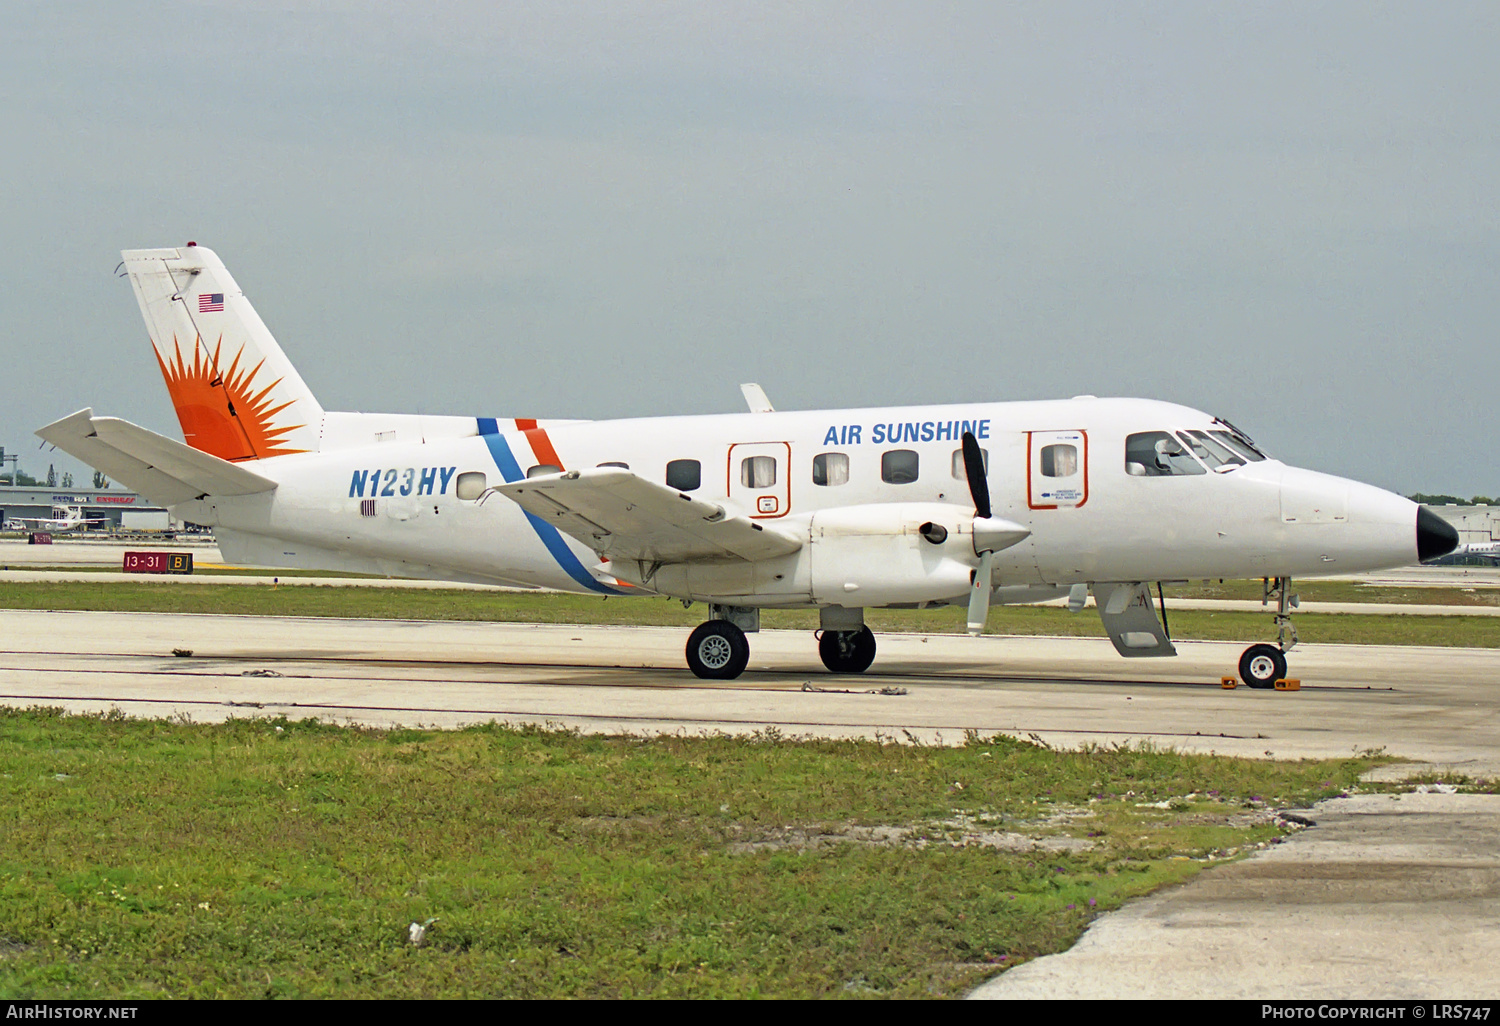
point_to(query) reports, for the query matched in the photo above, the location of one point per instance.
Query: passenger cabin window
(1158, 454)
(959, 473)
(758, 472)
(684, 475)
(831, 469)
(616, 463)
(1216, 456)
(470, 485)
(543, 469)
(1059, 460)
(898, 466)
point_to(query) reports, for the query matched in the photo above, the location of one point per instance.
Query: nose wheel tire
(717, 650)
(847, 651)
(1262, 666)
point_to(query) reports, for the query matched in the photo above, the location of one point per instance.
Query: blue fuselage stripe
(511, 471)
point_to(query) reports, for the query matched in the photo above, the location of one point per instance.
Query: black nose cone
(1435, 536)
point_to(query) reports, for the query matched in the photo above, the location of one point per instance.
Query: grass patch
(199, 570)
(1344, 591)
(544, 607)
(276, 858)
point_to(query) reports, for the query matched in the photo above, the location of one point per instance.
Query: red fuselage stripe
(541, 448)
(541, 445)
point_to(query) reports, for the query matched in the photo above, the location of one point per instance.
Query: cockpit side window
(1158, 454)
(1216, 456)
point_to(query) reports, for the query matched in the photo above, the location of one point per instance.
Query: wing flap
(623, 516)
(165, 471)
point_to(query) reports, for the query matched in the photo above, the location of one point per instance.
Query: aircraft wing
(621, 515)
(165, 471)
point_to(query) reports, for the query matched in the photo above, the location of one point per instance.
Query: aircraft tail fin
(237, 395)
(163, 470)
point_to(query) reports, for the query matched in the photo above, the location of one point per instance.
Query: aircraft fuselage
(393, 506)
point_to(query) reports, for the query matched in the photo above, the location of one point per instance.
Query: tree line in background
(1452, 500)
(21, 479)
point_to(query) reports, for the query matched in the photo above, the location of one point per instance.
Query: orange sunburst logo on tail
(224, 412)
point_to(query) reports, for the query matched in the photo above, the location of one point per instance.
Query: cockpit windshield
(1222, 448)
(1237, 440)
(1215, 455)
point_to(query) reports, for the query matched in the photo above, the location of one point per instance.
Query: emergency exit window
(758, 472)
(1059, 460)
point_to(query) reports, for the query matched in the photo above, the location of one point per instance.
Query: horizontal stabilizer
(164, 471)
(623, 516)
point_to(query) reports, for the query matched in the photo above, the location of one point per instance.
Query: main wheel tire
(847, 651)
(717, 650)
(1262, 666)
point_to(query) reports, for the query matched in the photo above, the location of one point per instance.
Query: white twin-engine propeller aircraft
(63, 520)
(841, 510)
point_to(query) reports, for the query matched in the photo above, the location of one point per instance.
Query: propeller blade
(979, 488)
(979, 594)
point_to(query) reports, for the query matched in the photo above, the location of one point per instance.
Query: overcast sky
(1282, 213)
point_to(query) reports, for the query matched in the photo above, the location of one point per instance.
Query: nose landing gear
(1261, 666)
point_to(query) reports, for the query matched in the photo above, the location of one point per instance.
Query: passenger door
(1057, 475)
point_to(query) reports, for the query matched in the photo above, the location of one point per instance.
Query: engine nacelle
(856, 556)
(891, 553)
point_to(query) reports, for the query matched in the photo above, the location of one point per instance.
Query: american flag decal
(210, 302)
(367, 508)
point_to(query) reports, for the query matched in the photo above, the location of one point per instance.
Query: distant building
(1476, 525)
(37, 502)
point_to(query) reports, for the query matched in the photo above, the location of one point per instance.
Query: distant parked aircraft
(1484, 550)
(63, 520)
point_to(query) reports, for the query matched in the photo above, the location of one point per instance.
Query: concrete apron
(1387, 896)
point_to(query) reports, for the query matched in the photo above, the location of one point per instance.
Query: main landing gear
(847, 651)
(1261, 666)
(719, 650)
